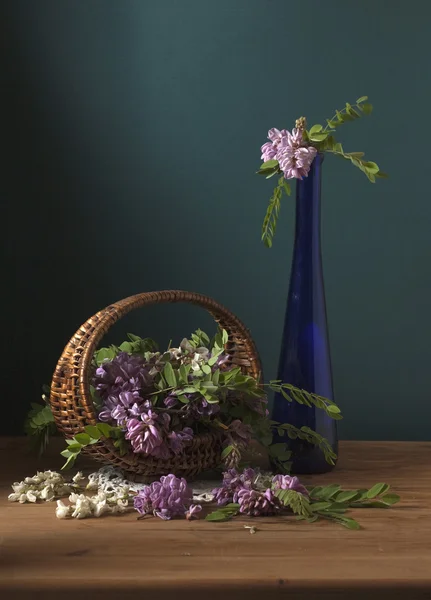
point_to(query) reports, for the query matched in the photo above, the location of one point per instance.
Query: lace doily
(110, 479)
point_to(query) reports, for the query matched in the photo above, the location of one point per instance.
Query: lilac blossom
(145, 434)
(233, 482)
(177, 439)
(124, 373)
(293, 154)
(167, 498)
(193, 512)
(287, 482)
(256, 503)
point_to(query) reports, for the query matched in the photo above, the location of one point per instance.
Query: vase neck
(308, 201)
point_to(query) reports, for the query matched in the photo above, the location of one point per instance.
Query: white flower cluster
(186, 350)
(82, 506)
(113, 492)
(45, 485)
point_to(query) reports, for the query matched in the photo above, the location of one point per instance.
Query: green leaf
(390, 499)
(315, 129)
(269, 164)
(329, 491)
(218, 515)
(347, 495)
(206, 369)
(382, 175)
(66, 453)
(93, 431)
(286, 187)
(317, 506)
(349, 523)
(361, 99)
(134, 338)
(126, 347)
(82, 438)
(318, 137)
(169, 375)
(377, 489)
(104, 429)
(367, 108)
(69, 462)
(74, 448)
(333, 409)
(226, 451)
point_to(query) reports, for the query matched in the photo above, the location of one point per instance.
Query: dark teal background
(131, 133)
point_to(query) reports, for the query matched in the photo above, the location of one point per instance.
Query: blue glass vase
(305, 356)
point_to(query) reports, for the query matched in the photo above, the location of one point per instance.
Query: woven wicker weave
(71, 401)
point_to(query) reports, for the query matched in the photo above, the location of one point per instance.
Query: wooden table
(120, 557)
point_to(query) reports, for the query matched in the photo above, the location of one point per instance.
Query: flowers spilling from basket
(154, 403)
(249, 492)
(290, 155)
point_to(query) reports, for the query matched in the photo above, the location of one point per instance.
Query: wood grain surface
(120, 557)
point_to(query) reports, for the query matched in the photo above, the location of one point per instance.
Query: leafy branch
(91, 435)
(224, 513)
(297, 502)
(270, 221)
(307, 435)
(39, 424)
(350, 112)
(292, 393)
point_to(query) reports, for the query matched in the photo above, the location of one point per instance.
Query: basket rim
(70, 397)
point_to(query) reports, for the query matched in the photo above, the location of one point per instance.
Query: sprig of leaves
(297, 502)
(292, 393)
(271, 218)
(40, 424)
(308, 435)
(350, 112)
(91, 435)
(324, 141)
(225, 513)
(135, 345)
(331, 502)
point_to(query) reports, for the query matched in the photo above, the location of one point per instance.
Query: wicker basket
(73, 408)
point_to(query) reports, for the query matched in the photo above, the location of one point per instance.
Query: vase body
(305, 354)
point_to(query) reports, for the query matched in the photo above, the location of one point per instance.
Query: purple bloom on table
(193, 511)
(233, 482)
(167, 498)
(255, 503)
(287, 482)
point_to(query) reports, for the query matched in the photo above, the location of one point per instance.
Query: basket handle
(70, 397)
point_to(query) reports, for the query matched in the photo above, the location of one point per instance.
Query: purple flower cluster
(252, 493)
(287, 482)
(122, 384)
(290, 150)
(167, 498)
